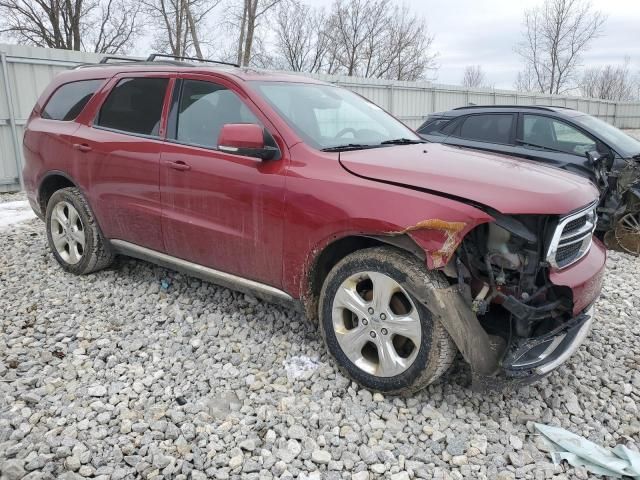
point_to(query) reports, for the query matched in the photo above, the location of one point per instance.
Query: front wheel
(378, 332)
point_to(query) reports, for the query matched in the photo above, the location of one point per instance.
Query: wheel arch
(335, 250)
(52, 182)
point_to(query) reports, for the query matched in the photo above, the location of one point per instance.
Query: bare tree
(611, 82)
(117, 26)
(301, 38)
(556, 34)
(251, 14)
(103, 26)
(410, 47)
(378, 39)
(473, 77)
(179, 24)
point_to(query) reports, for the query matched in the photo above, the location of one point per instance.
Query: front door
(550, 140)
(220, 210)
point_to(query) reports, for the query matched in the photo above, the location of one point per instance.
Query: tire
(417, 347)
(73, 234)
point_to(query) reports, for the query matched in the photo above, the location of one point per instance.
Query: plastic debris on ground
(578, 451)
(300, 367)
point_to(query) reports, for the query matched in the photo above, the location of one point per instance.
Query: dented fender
(438, 237)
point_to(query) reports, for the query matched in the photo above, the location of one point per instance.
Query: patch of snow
(300, 367)
(15, 212)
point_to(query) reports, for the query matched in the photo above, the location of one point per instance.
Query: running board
(266, 292)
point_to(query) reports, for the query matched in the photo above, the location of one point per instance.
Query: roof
(562, 111)
(170, 63)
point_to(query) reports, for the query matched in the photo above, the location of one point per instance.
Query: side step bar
(266, 292)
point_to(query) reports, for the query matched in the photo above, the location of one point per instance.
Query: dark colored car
(302, 192)
(563, 138)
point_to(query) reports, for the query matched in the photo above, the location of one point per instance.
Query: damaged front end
(514, 323)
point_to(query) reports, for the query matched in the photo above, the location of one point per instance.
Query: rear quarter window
(434, 126)
(67, 101)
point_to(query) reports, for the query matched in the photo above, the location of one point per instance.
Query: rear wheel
(378, 332)
(73, 234)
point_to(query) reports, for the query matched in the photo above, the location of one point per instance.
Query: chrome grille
(572, 239)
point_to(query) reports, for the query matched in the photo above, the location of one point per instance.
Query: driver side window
(204, 108)
(547, 132)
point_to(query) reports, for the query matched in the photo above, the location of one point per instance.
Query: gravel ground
(139, 372)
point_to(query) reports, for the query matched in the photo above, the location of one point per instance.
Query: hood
(509, 185)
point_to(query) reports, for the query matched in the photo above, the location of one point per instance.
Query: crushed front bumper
(538, 356)
(531, 359)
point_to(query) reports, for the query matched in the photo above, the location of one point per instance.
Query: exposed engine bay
(502, 271)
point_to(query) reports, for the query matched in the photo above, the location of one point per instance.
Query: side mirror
(595, 157)
(245, 139)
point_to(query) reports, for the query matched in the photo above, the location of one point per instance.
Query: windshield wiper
(348, 146)
(401, 141)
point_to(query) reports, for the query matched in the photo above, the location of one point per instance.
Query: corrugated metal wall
(29, 69)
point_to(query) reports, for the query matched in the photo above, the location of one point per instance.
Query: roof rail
(119, 59)
(153, 56)
(535, 107)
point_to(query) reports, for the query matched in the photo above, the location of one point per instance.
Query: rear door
(120, 148)
(485, 131)
(221, 210)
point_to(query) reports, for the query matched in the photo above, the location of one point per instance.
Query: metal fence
(26, 71)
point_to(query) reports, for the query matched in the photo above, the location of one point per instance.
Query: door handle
(83, 147)
(178, 165)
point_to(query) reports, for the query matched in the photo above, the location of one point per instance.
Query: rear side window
(67, 102)
(494, 128)
(134, 105)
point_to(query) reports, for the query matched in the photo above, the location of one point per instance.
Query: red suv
(300, 191)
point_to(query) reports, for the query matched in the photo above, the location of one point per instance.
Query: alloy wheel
(376, 324)
(67, 232)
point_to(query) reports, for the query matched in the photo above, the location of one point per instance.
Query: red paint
(507, 184)
(584, 278)
(268, 220)
(241, 135)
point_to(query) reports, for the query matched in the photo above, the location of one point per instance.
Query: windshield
(624, 144)
(329, 117)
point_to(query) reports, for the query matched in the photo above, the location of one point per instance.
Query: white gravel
(114, 376)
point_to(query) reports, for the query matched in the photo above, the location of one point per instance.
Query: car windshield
(329, 117)
(624, 144)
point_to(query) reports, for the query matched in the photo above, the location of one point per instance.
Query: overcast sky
(485, 31)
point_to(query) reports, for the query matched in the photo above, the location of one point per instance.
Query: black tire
(436, 351)
(96, 253)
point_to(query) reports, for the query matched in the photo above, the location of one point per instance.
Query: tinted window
(433, 127)
(547, 132)
(134, 105)
(487, 128)
(68, 101)
(204, 108)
